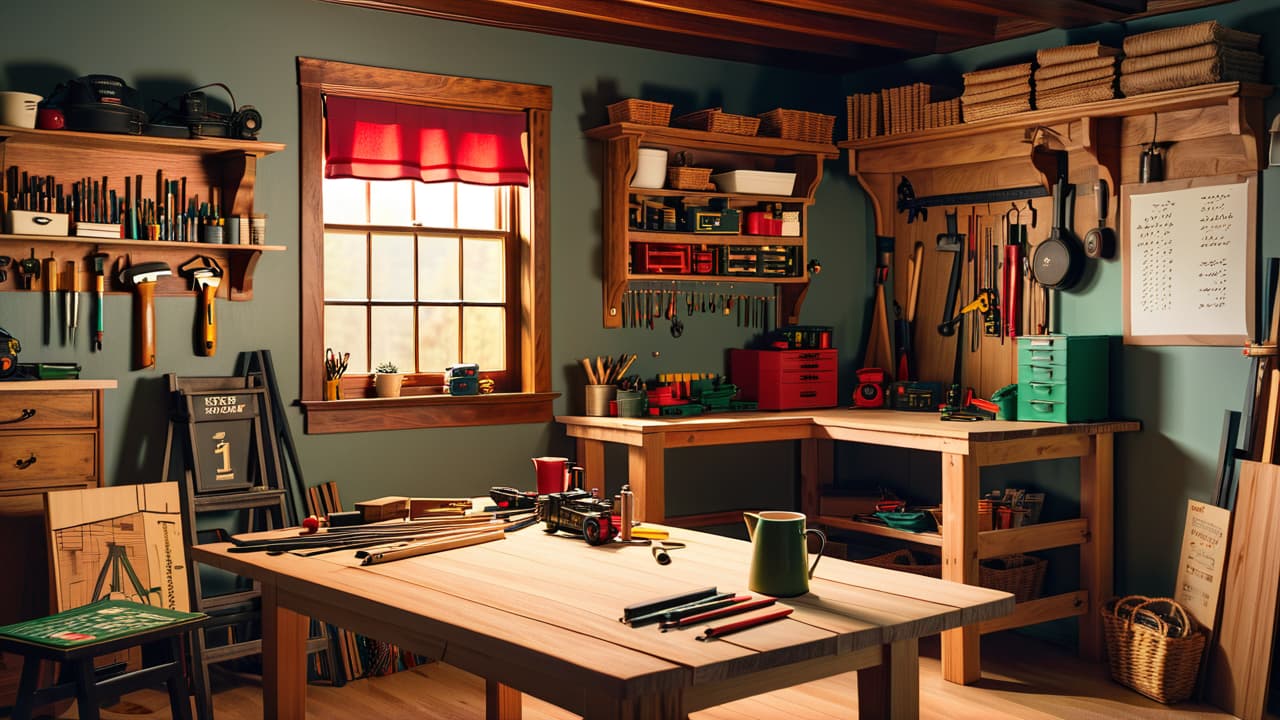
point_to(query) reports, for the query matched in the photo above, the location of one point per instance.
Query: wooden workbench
(965, 448)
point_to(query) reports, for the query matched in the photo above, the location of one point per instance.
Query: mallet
(143, 278)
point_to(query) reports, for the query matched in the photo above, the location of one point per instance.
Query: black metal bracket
(912, 205)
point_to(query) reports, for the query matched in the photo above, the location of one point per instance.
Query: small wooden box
(26, 222)
(392, 507)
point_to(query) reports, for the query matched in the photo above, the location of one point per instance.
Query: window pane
(345, 332)
(434, 204)
(438, 269)
(391, 202)
(391, 337)
(344, 202)
(437, 338)
(484, 337)
(478, 207)
(392, 277)
(345, 266)
(483, 273)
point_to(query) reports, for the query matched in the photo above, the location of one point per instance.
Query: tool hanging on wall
(951, 241)
(142, 277)
(28, 270)
(99, 288)
(206, 276)
(51, 298)
(73, 302)
(879, 353)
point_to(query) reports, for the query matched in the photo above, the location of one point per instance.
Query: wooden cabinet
(50, 439)
(229, 166)
(722, 152)
(1206, 130)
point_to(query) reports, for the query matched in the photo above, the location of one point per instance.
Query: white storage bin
(755, 182)
(651, 169)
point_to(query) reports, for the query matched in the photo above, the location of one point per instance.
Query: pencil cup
(598, 397)
(333, 389)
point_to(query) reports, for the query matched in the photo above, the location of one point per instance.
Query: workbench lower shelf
(991, 543)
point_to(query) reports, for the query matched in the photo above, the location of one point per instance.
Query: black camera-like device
(242, 124)
(102, 103)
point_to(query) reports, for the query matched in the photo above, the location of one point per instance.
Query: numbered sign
(226, 439)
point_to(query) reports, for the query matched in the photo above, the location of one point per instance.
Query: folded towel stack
(1075, 74)
(1189, 55)
(996, 92)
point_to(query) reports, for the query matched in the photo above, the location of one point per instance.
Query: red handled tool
(720, 631)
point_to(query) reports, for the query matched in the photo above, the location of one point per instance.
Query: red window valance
(379, 140)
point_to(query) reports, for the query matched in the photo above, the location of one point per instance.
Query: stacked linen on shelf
(996, 92)
(1075, 74)
(1190, 55)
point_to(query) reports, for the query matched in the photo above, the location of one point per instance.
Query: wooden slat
(1058, 13)
(916, 15)
(1070, 604)
(1040, 536)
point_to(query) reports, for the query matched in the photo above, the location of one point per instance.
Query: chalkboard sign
(1189, 254)
(225, 429)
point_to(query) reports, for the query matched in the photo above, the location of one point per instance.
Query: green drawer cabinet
(1063, 378)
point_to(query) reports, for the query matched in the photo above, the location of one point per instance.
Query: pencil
(720, 631)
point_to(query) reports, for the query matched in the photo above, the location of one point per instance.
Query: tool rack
(229, 165)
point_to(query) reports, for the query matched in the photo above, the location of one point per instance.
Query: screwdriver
(73, 302)
(51, 294)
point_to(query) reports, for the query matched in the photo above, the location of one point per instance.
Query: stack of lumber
(900, 110)
(1190, 55)
(996, 92)
(1075, 74)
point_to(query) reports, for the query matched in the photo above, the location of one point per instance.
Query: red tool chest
(785, 379)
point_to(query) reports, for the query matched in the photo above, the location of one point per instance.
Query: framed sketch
(1189, 252)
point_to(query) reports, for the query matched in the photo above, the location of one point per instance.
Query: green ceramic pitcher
(779, 556)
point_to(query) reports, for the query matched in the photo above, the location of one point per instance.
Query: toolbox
(785, 379)
(1063, 378)
(659, 258)
(761, 260)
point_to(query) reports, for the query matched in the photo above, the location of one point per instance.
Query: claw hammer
(206, 276)
(143, 277)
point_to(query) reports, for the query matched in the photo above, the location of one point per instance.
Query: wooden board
(1240, 660)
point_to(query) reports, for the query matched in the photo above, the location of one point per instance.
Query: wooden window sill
(425, 411)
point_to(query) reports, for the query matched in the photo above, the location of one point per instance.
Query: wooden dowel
(591, 376)
(431, 546)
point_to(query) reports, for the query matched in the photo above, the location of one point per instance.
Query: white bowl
(755, 182)
(18, 108)
(651, 170)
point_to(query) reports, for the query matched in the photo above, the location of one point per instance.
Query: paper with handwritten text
(1188, 261)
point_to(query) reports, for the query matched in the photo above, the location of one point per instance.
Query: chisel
(51, 294)
(73, 302)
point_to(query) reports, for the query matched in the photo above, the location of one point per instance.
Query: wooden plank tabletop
(552, 603)
(889, 421)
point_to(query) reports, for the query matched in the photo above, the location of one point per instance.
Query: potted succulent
(387, 380)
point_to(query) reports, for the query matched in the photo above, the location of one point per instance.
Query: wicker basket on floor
(1153, 646)
(1022, 575)
(716, 120)
(798, 125)
(642, 112)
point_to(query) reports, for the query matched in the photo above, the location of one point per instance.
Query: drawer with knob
(48, 460)
(32, 410)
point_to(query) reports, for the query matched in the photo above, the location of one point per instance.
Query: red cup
(50, 119)
(550, 473)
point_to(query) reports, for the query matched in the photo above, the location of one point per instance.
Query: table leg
(960, 653)
(591, 459)
(892, 688)
(1097, 573)
(816, 467)
(284, 659)
(501, 702)
(646, 472)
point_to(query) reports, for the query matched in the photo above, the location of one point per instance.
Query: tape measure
(9, 349)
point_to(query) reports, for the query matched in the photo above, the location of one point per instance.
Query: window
(424, 274)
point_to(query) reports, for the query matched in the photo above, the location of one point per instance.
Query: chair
(75, 637)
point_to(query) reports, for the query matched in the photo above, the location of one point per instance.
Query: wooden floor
(1022, 679)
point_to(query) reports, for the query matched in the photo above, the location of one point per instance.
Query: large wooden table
(538, 614)
(965, 448)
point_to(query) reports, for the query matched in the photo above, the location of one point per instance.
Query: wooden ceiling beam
(1057, 13)
(921, 16)
(790, 18)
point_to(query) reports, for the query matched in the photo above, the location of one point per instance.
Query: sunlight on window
(483, 273)
(478, 207)
(433, 204)
(437, 338)
(483, 339)
(344, 202)
(346, 332)
(391, 202)
(438, 269)
(346, 262)
(392, 267)
(388, 339)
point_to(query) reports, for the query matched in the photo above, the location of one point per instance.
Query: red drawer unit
(659, 258)
(785, 379)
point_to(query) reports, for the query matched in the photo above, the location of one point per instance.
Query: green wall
(164, 48)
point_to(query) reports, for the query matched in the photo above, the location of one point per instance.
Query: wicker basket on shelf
(797, 125)
(908, 561)
(716, 120)
(680, 177)
(642, 112)
(1153, 646)
(1022, 575)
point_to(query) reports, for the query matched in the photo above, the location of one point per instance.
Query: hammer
(206, 276)
(143, 277)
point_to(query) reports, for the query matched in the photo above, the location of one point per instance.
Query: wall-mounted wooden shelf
(722, 152)
(229, 166)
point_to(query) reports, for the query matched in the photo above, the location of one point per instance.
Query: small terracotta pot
(387, 384)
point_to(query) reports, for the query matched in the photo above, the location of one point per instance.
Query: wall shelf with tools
(217, 172)
(627, 231)
(1206, 130)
